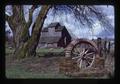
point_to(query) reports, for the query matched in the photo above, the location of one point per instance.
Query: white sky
(70, 23)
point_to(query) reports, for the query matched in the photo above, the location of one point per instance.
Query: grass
(18, 69)
(17, 72)
(49, 51)
(36, 67)
(40, 51)
(45, 50)
(9, 51)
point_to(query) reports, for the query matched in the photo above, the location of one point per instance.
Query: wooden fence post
(99, 44)
(109, 46)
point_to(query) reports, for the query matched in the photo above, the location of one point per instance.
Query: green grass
(45, 50)
(48, 51)
(40, 51)
(9, 51)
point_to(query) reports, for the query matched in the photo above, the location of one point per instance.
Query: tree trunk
(26, 46)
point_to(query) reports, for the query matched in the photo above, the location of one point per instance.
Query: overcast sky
(73, 26)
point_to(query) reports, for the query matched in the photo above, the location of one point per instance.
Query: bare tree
(25, 44)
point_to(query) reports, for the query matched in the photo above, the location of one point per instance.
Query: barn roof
(59, 28)
(54, 24)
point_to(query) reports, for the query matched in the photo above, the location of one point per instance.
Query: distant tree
(25, 45)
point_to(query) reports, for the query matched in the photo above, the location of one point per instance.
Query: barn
(54, 35)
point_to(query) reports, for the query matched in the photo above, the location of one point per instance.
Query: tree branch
(30, 15)
(7, 17)
(18, 13)
(16, 9)
(40, 20)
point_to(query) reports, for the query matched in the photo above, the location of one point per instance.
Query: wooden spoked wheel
(83, 52)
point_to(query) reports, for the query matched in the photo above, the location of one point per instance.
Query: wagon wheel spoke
(80, 64)
(84, 64)
(79, 59)
(90, 58)
(78, 49)
(75, 50)
(84, 53)
(87, 61)
(92, 61)
(88, 55)
(74, 53)
(78, 52)
(80, 55)
(76, 57)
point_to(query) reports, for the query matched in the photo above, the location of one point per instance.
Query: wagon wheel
(84, 53)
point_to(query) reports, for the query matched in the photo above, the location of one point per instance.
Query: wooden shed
(54, 35)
